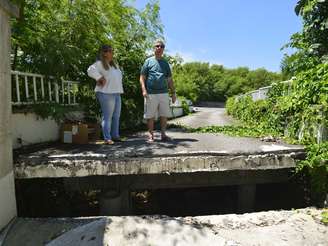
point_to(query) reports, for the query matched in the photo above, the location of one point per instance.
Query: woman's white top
(113, 77)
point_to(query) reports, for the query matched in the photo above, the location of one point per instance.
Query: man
(155, 79)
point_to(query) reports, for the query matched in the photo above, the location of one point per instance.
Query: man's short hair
(160, 41)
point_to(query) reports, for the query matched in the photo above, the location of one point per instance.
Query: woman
(108, 90)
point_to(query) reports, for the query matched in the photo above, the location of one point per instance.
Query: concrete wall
(7, 190)
(28, 128)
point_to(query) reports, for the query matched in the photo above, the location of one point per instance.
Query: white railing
(29, 88)
(319, 130)
(262, 92)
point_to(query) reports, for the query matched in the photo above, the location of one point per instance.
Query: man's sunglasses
(108, 50)
(160, 46)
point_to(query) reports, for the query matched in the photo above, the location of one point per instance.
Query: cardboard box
(94, 130)
(79, 133)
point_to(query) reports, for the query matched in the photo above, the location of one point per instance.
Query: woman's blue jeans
(111, 110)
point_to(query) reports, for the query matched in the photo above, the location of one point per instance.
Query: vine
(53, 111)
(296, 112)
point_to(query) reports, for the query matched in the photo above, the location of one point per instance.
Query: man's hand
(144, 93)
(171, 86)
(143, 87)
(101, 82)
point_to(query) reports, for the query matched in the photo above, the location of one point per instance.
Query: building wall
(28, 128)
(7, 190)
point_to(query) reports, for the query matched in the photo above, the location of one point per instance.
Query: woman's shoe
(109, 142)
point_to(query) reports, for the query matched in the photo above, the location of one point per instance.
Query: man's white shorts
(157, 105)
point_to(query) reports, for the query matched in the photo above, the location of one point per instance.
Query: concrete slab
(138, 231)
(187, 152)
(103, 231)
(297, 227)
(91, 234)
(40, 231)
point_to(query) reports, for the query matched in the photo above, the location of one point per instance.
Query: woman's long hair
(101, 57)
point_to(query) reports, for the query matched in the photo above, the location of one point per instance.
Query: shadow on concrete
(99, 231)
(34, 232)
(133, 146)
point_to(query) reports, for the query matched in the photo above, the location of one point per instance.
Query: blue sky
(233, 33)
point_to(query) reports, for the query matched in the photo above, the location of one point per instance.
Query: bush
(296, 112)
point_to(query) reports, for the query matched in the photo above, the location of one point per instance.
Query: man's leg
(150, 125)
(164, 113)
(163, 126)
(151, 105)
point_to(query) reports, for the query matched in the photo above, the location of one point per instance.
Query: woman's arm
(93, 72)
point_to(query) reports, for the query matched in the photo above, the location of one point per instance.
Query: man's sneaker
(166, 138)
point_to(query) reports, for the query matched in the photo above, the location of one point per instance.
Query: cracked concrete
(187, 152)
(71, 167)
(274, 228)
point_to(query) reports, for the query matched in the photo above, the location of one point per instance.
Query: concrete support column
(114, 202)
(7, 190)
(246, 198)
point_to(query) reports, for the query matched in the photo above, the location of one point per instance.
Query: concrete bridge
(189, 160)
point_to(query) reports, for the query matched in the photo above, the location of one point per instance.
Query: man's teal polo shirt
(156, 72)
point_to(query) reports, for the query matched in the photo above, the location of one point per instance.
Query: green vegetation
(296, 112)
(324, 218)
(54, 111)
(239, 131)
(203, 82)
(316, 166)
(311, 42)
(299, 110)
(302, 104)
(61, 39)
(185, 105)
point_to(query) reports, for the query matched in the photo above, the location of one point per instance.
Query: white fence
(29, 88)
(262, 92)
(318, 130)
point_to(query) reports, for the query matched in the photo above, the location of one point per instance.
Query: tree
(201, 82)
(312, 41)
(61, 38)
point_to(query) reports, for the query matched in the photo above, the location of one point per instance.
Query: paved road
(205, 117)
